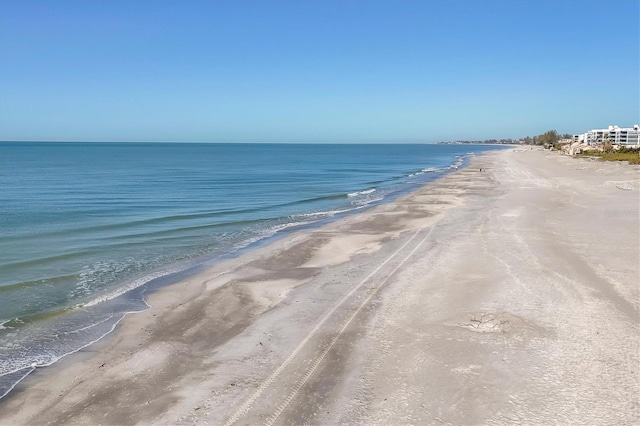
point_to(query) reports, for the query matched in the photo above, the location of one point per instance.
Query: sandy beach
(509, 295)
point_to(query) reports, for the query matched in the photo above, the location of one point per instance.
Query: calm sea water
(84, 227)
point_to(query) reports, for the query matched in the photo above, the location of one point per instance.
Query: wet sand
(508, 296)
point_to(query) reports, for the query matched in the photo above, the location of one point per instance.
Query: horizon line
(479, 141)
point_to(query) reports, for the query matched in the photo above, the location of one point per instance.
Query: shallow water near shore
(86, 227)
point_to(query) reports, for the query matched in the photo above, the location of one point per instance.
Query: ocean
(87, 228)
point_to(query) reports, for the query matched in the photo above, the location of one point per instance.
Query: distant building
(624, 136)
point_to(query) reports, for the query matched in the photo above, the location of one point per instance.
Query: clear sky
(315, 71)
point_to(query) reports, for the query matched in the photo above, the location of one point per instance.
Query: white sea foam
(267, 233)
(88, 327)
(364, 202)
(357, 205)
(365, 192)
(45, 360)
(459, 162)
(15, 383)
(127, 288)
(321, 214)
(275, 229)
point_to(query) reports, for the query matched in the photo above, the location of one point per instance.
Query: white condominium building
(627, 136)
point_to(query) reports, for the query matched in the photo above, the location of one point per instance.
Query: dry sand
(508, 296)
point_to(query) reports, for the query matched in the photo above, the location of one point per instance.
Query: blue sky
(315, 71)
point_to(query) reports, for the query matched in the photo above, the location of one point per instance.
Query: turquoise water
(84, 227)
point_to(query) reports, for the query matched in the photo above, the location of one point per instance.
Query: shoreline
(217, 266)
(203, 266)
(209, 346)
(172, 274)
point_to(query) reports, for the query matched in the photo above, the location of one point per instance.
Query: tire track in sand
(248, 404)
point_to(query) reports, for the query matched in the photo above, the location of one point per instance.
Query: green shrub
(631, 155)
